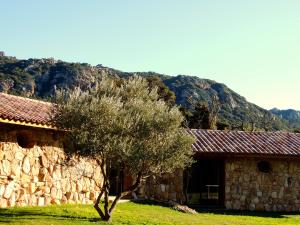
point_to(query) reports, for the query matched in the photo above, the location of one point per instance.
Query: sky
(251, 46)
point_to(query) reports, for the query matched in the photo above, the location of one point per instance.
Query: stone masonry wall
(246, 188)
(40, 175)
(165, 188)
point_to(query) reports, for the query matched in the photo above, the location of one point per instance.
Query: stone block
(41, 201)
(1, 154)
(79, 186)
(92, 196)
(32, 188)
(19, 155)
(274, 194)
(12, 200)
(6, 167)
(236, 204)
(26, 165)
(9, 190)
(44, 161)
(255, 200)
(9, 155)
(3, 203)
(35, 170)
(59, 194)
(228, 205)
(2, 189)
(252, 207)
(53, 193)
(47, 200)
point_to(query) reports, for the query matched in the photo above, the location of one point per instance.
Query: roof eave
(29, 124)
(224, 155)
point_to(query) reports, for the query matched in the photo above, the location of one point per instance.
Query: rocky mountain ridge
(39, 78)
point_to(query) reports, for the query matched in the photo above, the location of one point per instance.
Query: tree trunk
(96, 205)
(106, 215)
(122, 194)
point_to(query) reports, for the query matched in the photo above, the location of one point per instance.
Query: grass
(134, 213)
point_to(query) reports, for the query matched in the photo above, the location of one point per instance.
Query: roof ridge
(26, 98)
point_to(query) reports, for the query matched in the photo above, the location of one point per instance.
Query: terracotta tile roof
(240, 142)
(25, 111)
(15, 109)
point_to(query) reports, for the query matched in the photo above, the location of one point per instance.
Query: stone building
(33, 169)
(245, 171)
(233, 169)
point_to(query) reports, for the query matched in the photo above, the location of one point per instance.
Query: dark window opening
(264, 167)
(116, 180)
(204, 183)
(25, 140)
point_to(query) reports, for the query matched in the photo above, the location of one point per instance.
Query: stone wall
(40, 175)
(165, 188)
(246, 188)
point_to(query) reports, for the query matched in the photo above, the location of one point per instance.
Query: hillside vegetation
(291, 115)
(39, 78)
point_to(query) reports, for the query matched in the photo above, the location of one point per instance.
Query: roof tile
(240, 142)
(19, 109)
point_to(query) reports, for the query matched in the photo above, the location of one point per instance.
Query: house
(232, 169)
(239, 170)
(33, 169)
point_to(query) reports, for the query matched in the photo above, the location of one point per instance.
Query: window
(264, 166)
(25, 140)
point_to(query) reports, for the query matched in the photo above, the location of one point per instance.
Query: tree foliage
(202, 115)
(124, 126)
(163, 91)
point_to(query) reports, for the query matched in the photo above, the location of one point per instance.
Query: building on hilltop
(2, 53)
(233, 169)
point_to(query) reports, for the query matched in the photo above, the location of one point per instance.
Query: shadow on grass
(222, 211)
(11, 215)
(246, 213)
(151, 203)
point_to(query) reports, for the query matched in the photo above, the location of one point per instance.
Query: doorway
(204, 183)
(119, 181)
(116, 180)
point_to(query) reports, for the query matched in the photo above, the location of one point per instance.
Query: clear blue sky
(251, 46)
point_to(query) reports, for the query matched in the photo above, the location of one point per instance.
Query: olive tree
(125, 126)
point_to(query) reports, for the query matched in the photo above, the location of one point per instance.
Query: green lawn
(134, 213)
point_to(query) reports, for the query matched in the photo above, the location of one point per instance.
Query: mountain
(39, 78)
(291, 115)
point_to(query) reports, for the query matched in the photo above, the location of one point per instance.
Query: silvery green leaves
(124, 125)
